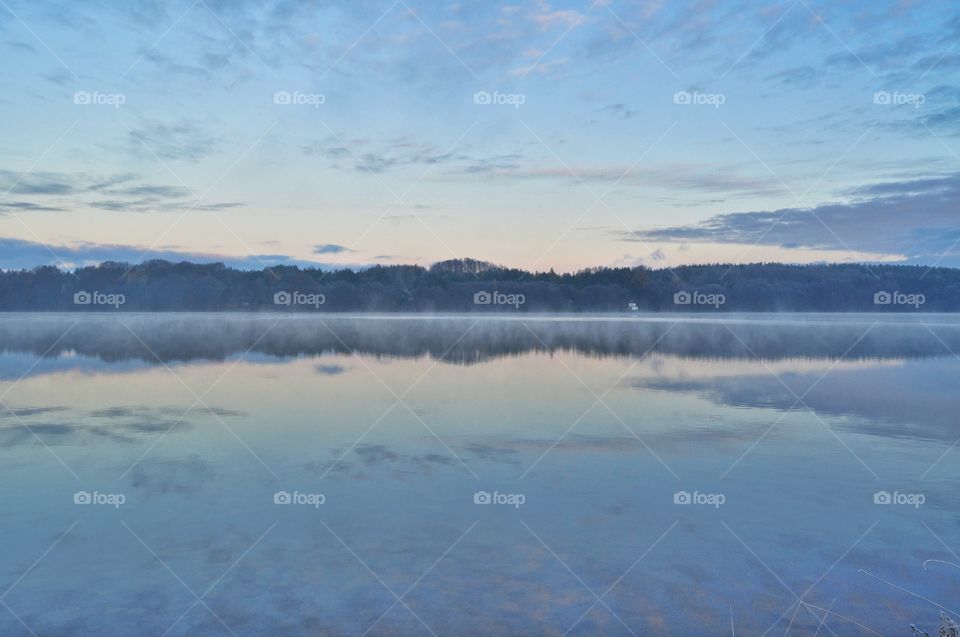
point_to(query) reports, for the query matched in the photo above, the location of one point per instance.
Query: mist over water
(535, 475)
(466, 339)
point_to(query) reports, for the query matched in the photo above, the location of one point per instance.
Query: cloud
(151, 204)
(945, 121)
(494, 163)
(702, 178)
(183, 140)
(20, 46)
(364, 155)
(165, 192)
(109, 181)
(619, 110)
(546, 17)
(37, 183)
(60, 77)
(885, 54)
(917, 219)
(171, 67)
(23, 254)
(26, 206)
(798, 77)
(539, 68)
(330, 248)
(119, 192)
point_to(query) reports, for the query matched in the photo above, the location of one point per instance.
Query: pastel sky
(533, 134)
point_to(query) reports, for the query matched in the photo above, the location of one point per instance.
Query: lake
(478, 475)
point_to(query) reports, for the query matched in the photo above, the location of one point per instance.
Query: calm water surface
(321, 475)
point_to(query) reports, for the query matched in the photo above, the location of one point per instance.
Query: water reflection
(599, 423)
(465, 339)
(889, 397)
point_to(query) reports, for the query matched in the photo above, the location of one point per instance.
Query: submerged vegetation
(948, 628)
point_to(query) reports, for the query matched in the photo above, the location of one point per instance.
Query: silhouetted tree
(451, 286)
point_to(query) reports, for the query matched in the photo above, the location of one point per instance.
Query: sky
(538, 134)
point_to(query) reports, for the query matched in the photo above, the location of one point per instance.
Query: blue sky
(533, 134)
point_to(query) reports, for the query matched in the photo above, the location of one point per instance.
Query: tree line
(469, 285)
